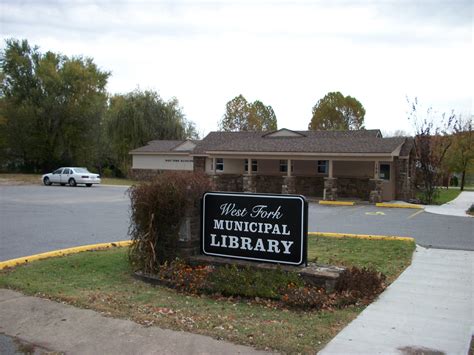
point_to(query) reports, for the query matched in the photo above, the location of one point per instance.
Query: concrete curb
(61, 252)
(361, 236)
(399, 205)
(337, 203)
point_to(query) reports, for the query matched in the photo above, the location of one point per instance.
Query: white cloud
(286, 54)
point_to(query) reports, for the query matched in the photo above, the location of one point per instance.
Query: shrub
(471, 210)
(249, 282)
(157, 209)
(360, 283)
(183, 277)
(454, 181)
(308, 297)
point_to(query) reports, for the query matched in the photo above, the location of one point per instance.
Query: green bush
(250, 282)
(454, 181)
(157, 209)
(471, 210)
(287, 288)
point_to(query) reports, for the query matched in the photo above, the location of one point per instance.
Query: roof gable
(284, 132)
(186, 146)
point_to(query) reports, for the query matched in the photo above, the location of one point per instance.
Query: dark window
(323, 166)
(67, 171)
(57, 171)
(384, 171)
(283, 166)
(254, 165)
(219, 164)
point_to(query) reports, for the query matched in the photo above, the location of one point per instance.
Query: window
(67, 171)
(284, 166)
(323, 166)
(219, 164)
(254, 165)
(384, 171)
(57, 171)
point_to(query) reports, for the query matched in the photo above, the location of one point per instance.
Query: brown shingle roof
(363, 141)
(158, 146)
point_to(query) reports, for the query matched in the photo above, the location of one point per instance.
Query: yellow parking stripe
(337, 203)
(360, 236)
(398, 205)
(415, 214)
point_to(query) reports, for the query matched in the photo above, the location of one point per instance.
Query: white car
(71, 176)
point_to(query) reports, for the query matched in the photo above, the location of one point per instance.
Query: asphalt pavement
(429, 230)
(36, 219)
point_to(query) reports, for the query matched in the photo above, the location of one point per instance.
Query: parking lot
(430, 230)
(35, 219)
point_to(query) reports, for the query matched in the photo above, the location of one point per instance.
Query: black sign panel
(258, 227)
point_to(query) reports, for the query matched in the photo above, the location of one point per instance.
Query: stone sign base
(316, 275)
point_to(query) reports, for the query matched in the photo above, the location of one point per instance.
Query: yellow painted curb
(360, 236)
(61, 252)
(337, 203)
(398, 205)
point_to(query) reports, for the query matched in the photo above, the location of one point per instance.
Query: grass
(446, 195)
(386, 256)
(102, 281)
(35, 179)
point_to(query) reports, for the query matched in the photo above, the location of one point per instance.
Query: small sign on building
(255, 227)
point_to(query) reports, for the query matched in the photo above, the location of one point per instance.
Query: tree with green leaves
(138, 117)
(241, 115)
(337, 112)
(460, 156)
(51, 107)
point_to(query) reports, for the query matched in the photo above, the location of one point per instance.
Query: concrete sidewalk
(63, 328)
(428, 308)
(456, 207)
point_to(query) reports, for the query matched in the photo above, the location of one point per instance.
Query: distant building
(327, 164)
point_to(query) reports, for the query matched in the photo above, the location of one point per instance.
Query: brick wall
(310, 185)
(353, 187)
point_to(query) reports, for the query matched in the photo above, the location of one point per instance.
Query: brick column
(375, 186)
(330, 189)
(189, 233)
(289, 185)
(249, 183)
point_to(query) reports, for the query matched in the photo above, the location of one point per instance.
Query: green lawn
(446, 195)
(28, 179)
(102, 281)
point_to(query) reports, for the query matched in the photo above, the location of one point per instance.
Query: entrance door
(388, 188)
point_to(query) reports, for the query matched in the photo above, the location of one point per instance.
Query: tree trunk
(463, 177)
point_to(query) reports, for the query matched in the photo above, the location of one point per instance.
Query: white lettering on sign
(260, 211)
(254, 227)
(245, 243)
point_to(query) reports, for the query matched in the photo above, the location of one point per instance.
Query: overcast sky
(288, 54)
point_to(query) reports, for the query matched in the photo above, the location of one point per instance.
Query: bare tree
(432, 142)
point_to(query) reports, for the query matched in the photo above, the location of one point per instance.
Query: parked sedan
(71, 176)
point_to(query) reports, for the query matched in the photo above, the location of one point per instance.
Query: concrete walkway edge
(59, 327)
(428, 309)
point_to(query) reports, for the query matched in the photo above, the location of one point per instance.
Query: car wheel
(72, 182)
(88, 185)
(46, 181)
